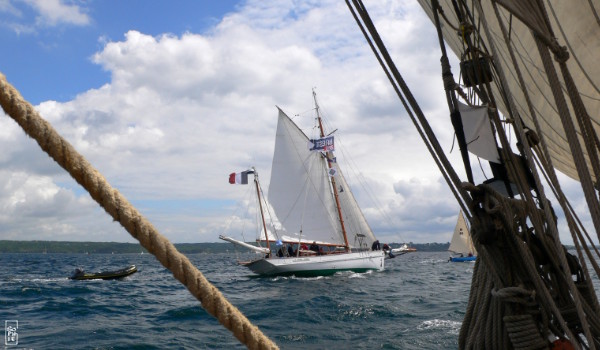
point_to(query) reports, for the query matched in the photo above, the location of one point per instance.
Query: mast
(335, 193)
(262, 215)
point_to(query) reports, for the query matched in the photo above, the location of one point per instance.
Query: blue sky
(166, 99)
(50, 54)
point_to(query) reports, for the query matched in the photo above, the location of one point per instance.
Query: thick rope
(531, 288)
(540, 143)
(115, 204)
(577, 152)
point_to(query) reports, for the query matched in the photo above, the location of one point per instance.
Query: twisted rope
(122, 211)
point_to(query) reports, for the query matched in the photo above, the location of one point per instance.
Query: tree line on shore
(135, 248)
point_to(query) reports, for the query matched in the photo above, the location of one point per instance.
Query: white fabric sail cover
(478, 132)
(461, 240)
(299, 191)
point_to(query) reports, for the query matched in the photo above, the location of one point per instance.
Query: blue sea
(418, 302)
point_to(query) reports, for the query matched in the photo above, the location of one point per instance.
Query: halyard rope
(115, 204)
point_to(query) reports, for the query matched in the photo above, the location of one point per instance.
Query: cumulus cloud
(180, 112)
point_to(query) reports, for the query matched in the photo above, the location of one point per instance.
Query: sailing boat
(314, 206)
(461, 244)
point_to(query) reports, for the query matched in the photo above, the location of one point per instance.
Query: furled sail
(300, 191)
(576, 26)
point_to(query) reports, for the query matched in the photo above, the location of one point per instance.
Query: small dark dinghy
(79, 274)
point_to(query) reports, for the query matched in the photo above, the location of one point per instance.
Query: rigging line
(566, 204)
(527, 61)
(268, 208)
(511, 110)
(572, 52)
(576, 227)
(593, 9)
(325, 159)
(361, 180)
(351, 166)
(421, 125)
(543, 50)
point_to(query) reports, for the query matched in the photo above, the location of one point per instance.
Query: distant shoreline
(62, 247)
(135, 248)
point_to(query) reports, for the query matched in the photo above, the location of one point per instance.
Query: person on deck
(314, 247)
(376, 245)
(290, 250)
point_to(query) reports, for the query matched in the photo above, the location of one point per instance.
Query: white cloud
(54, 12)
(14, 15)
(183, 111)
(7, 7)
(34, 207)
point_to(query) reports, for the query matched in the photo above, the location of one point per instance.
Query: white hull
(320, 264)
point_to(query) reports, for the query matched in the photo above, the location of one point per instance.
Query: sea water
(418, 302)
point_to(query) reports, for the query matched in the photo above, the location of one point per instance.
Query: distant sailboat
(461, 244)
(311, 210)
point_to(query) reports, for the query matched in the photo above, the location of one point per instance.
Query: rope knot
(465, 29)
(561, 54)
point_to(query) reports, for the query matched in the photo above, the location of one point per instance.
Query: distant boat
(315, 207)
(80, 274)
(404, 249)
(461, 244)
(394, 252)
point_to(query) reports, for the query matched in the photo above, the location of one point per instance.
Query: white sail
(354, 220)
(300, 191)
(461, 242)
(575, 24)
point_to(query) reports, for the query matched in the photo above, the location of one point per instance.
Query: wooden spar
(335, 193)
(262, 216)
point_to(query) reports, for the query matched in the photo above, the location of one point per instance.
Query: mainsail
(300, 192)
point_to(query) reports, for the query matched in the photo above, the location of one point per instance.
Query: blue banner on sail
(323, 145)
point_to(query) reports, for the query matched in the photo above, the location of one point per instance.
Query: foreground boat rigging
(314, 206)
(527, 102)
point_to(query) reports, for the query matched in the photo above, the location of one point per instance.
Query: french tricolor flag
(240, 178)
